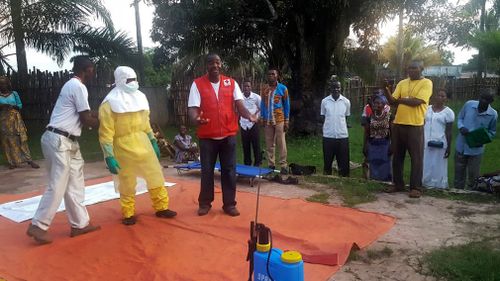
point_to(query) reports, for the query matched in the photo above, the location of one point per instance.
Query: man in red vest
(211, 105)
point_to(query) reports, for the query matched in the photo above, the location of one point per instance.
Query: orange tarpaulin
(188, 247)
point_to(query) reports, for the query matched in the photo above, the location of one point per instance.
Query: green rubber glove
(113, 165)
(154, 143)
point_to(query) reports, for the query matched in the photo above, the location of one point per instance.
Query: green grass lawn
(470, 262)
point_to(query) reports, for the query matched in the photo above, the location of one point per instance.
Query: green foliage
(156, 75)
(489, 42)
(474, 261)
(414, 48)
(362, 62)
(60, 27)
(293, 35)
(107, 47)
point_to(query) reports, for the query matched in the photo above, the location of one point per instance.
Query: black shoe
(272, 168)
(284, 171)
(129, 221)
(40, 235)
(232, 211)
(203, 210)
(166, 214)
(80, 231)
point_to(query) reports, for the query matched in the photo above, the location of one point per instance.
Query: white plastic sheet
(24, 209)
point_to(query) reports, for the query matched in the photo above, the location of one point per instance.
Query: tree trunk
(309, 60)
(139, 41)
(17, 24)
(480, 55)
(400, 52)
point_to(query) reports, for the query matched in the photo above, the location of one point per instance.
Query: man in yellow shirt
(412, 98)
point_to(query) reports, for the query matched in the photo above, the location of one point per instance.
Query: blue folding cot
(250, 172)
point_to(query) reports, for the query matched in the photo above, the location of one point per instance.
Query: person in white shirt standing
(62, 152)
(250, 135)
(335, 108)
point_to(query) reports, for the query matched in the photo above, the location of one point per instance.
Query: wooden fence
(39, 95)
(180, 93)
(41, 90)
(355, 90)
(457, 89)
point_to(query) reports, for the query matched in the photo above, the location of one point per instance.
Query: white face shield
(122, 74)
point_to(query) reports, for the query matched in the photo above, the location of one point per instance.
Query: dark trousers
(225, 149)
(411, 139)
(336, 148)
(251, 140)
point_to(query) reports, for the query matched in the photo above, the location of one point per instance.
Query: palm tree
(53, 27)
(470, 21)
(413, 48)
(106, 47)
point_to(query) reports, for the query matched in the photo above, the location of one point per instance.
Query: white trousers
(65, 168)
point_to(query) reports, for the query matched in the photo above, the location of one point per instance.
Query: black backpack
(300, 170)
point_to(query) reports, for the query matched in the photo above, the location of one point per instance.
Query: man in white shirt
(250, 135)
(213, 101)
(64, 160)
(335, 109)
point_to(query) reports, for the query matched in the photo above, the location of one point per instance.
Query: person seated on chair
(185, 149)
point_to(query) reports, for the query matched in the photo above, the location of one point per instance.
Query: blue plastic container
(283, 266)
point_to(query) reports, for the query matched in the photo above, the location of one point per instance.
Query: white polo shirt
(72, 100)
(252, 104)
(335, 112)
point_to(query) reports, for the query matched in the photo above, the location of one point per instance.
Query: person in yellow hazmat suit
(129, 146)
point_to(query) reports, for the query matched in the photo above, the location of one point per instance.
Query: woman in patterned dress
(13, 136)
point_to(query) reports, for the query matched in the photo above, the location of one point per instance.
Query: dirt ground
(422, 224)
